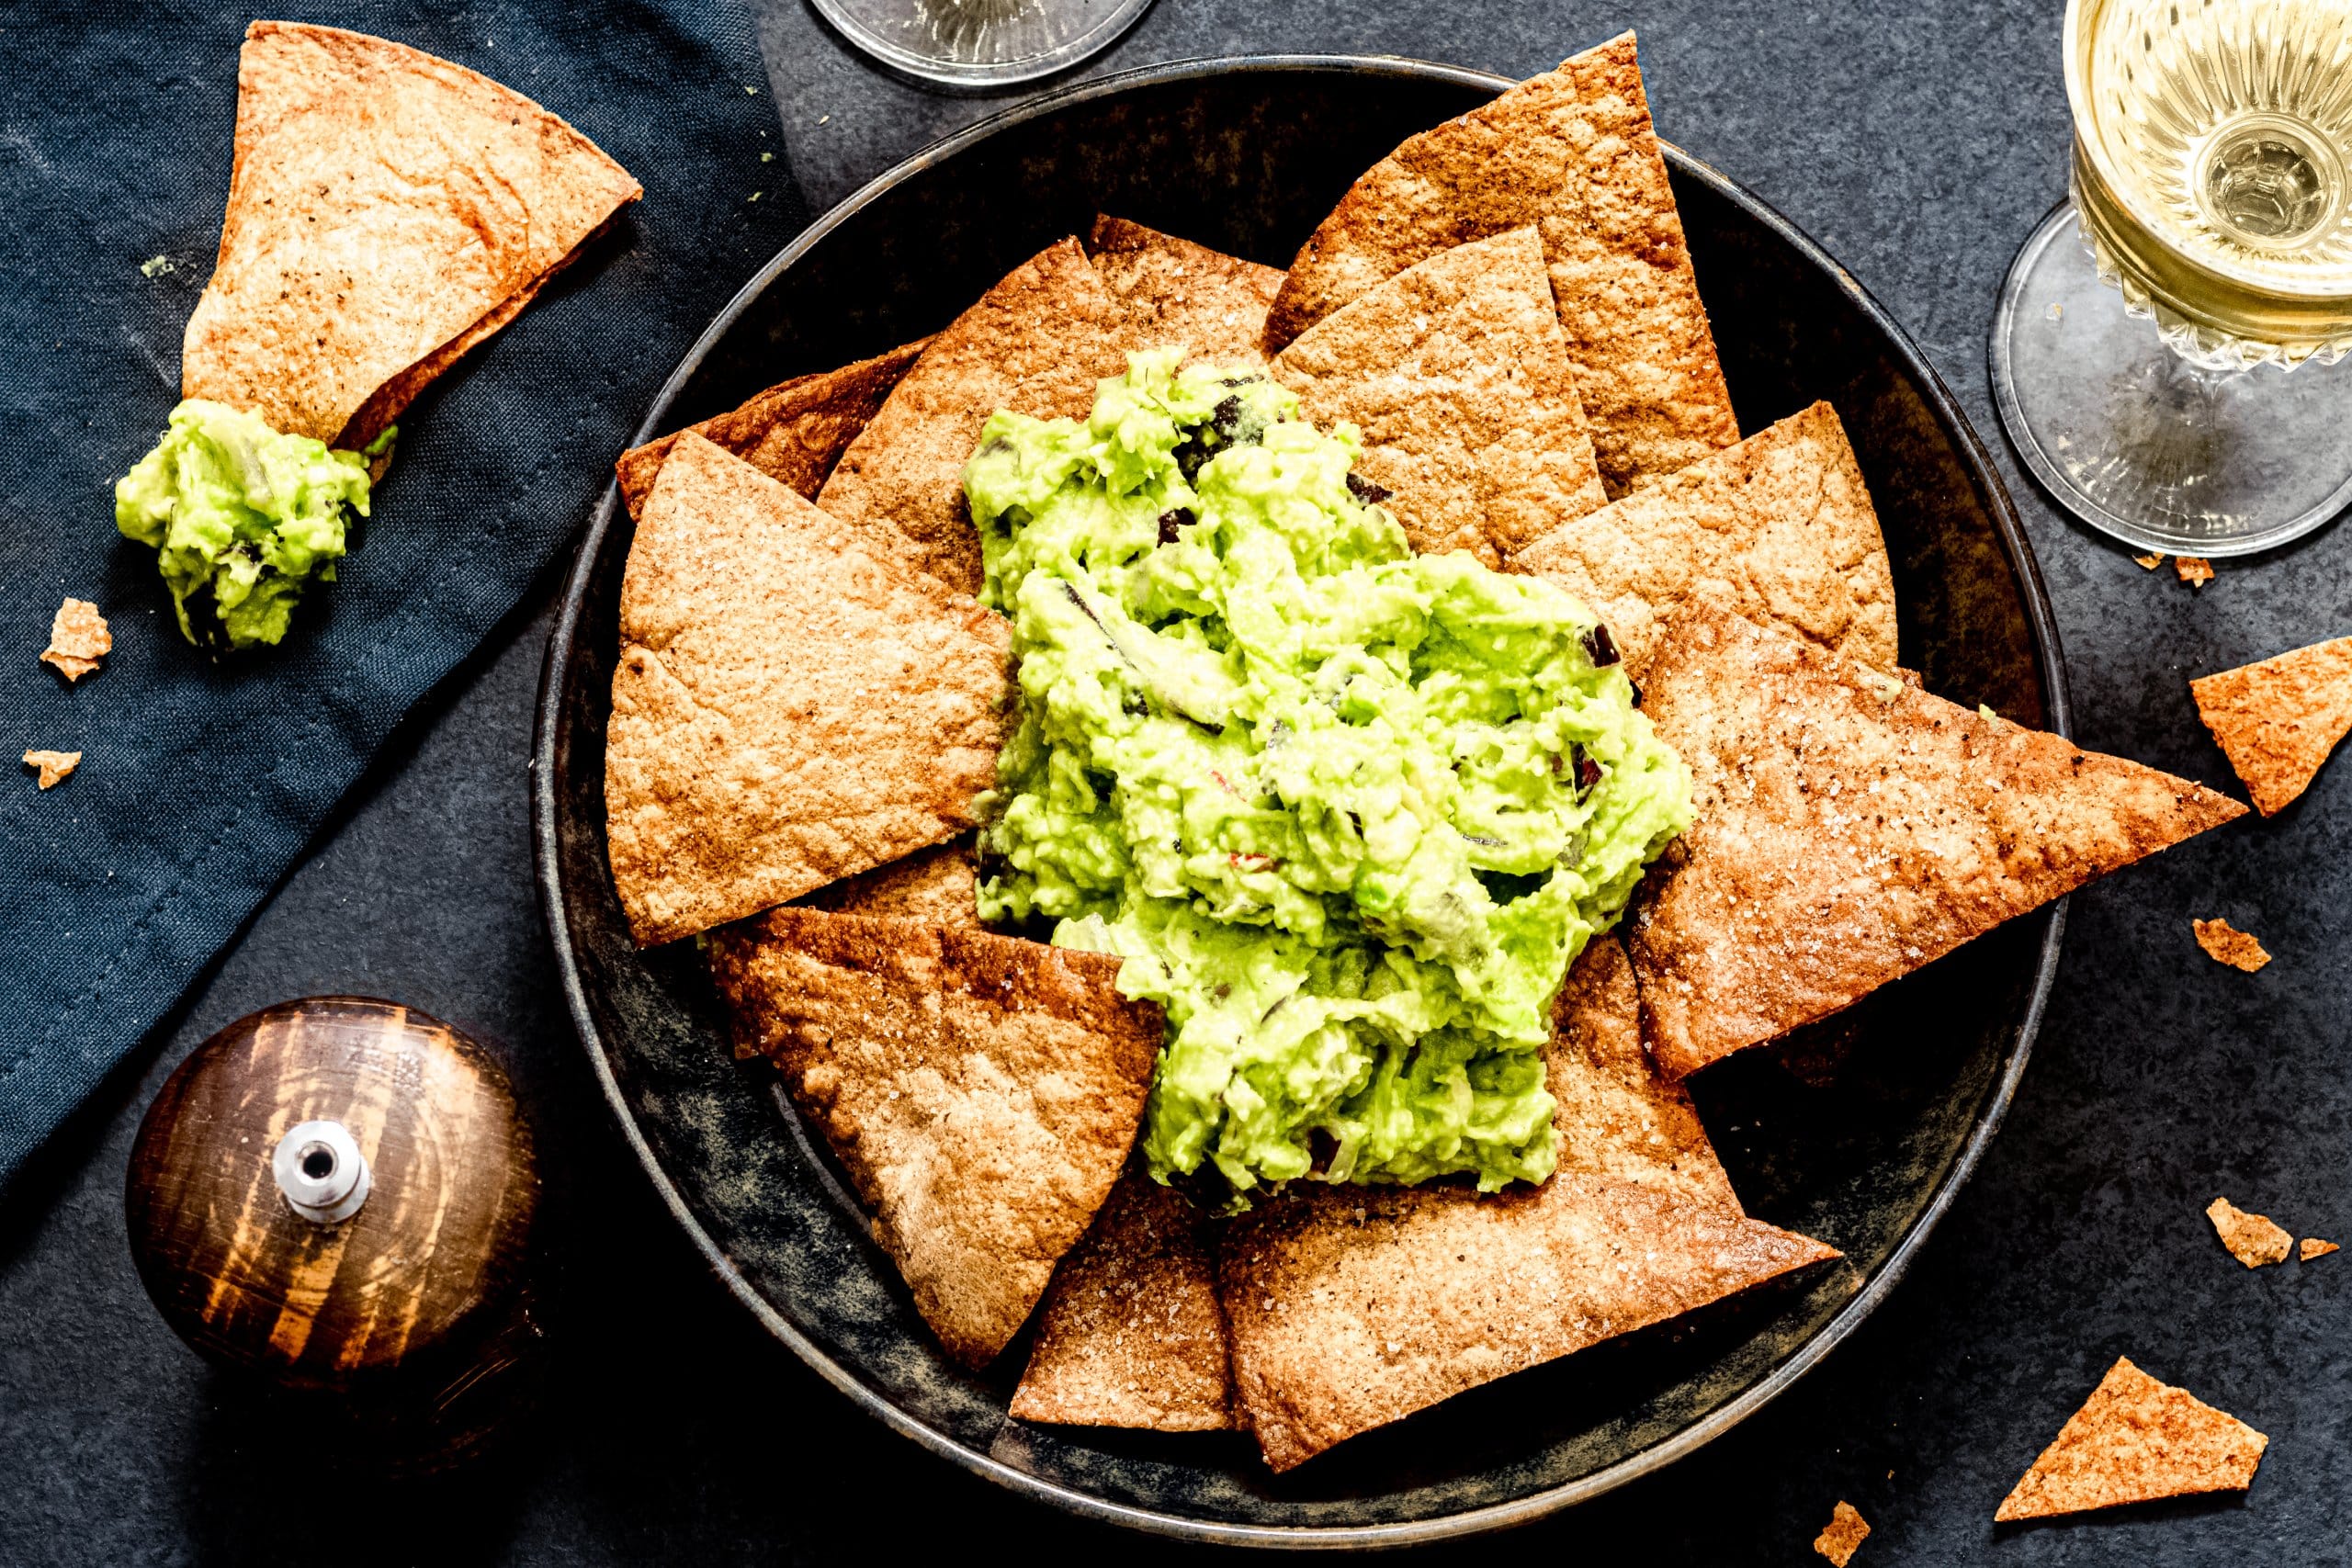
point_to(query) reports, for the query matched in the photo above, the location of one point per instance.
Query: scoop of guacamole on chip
(1348, 813)
(243, 517)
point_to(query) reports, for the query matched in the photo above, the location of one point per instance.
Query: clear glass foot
(981, 43)
(2140, 444)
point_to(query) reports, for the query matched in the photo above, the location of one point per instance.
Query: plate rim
(2041, 627)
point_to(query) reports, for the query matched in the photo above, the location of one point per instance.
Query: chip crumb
(78, 638)
(2252, 1239)
(53, 765)
(2226, 944)
(2148, 563)
(1843, 1535)
(155, 266)
(2314, 1248)
(2194, 570)
(2136, 1441)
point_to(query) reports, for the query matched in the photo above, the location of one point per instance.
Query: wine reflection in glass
(2165, 350)
(979, 44)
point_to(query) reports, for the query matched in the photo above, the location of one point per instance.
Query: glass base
(981, 43)
(2140, 444)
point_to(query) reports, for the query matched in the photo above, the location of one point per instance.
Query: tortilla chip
(2226, 945)
(791, 705)
(1456, 371)
(2194, 570)
(1177, 292)
(1572, 152)
(1844, 1535)
(2314, 1248)
(2278, 720)
(1035, 344)
(1779, 528)
(2252, 1239)
(794, 433)
(52, 765)
(2136, 1441)
(2148, 563)
(387, 210)
(934, 885)
(1131, 1334)
(1850, 829)
(980, 1091)
(78, 638)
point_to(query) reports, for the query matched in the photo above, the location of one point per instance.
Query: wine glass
(981, 43)
(2171, 376)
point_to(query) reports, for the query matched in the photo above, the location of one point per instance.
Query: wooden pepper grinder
(334, 1197)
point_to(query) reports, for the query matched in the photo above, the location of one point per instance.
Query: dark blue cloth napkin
(200, 783)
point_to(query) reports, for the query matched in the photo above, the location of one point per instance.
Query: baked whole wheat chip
(1574, 153)
(387, 211)
(1456, 371)
(792, 704)
(934, 884)
(1850, 829)
(1779, 528)
(980, 1091)
(1352, 1307)
(2224, 943)
(2253, 1239)
(1175, 291)
(2136, 1441)
(794, 433)
(2278, 720)
(78, 640)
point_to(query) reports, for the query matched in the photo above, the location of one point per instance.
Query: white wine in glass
(2143, 371)
(979, 44)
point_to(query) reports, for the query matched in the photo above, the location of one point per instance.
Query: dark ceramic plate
(1858, 1133)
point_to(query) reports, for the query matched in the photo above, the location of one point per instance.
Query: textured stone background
(1918, 144)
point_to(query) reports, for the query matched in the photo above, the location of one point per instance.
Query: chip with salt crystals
(1779, 528)
(792, 704)
(2313, 1246)
(934, 884)
(794, 433)
(2252, 1239)
(2136, 1441)
(1850, 829)
(1131, 1334)
(981, 1092)
(1175, 291)
(2278, 720)
(2226, 944)
(1574, 153)
(1456, 372)
(387, 211)
(1843, 1535)
(1351, 1307)
(52, 766)
(78, 638)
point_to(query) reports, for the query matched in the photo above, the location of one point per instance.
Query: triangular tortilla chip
(1572, 152)
(1457, 373)
(794, 433)
(1352, 1306)
(1035, 344)
(2278, 720)
(1131, 1334)
(1779, 528)
(1178, 292)
(980, 1091)
(2136, 1441)
(1850, 828)
(791, 705)
(387, 210)
(935, 885)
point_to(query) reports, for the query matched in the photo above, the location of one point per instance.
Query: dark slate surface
(1919, 149)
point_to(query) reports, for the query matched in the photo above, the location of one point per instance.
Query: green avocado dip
(243, 517)
(1348, 813)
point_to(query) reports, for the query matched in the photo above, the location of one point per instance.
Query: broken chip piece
(2252, 1239)
(2148, 563)
(2136, 1441)
(1843, 1536)
(53, 765)
(78, 638)
(981, 1092)
(2314, 1248)
(2194, 570)
(2226, 944)
(2278, 720)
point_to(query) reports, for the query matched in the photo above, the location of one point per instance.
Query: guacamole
(1348, 813)
(244, 518)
